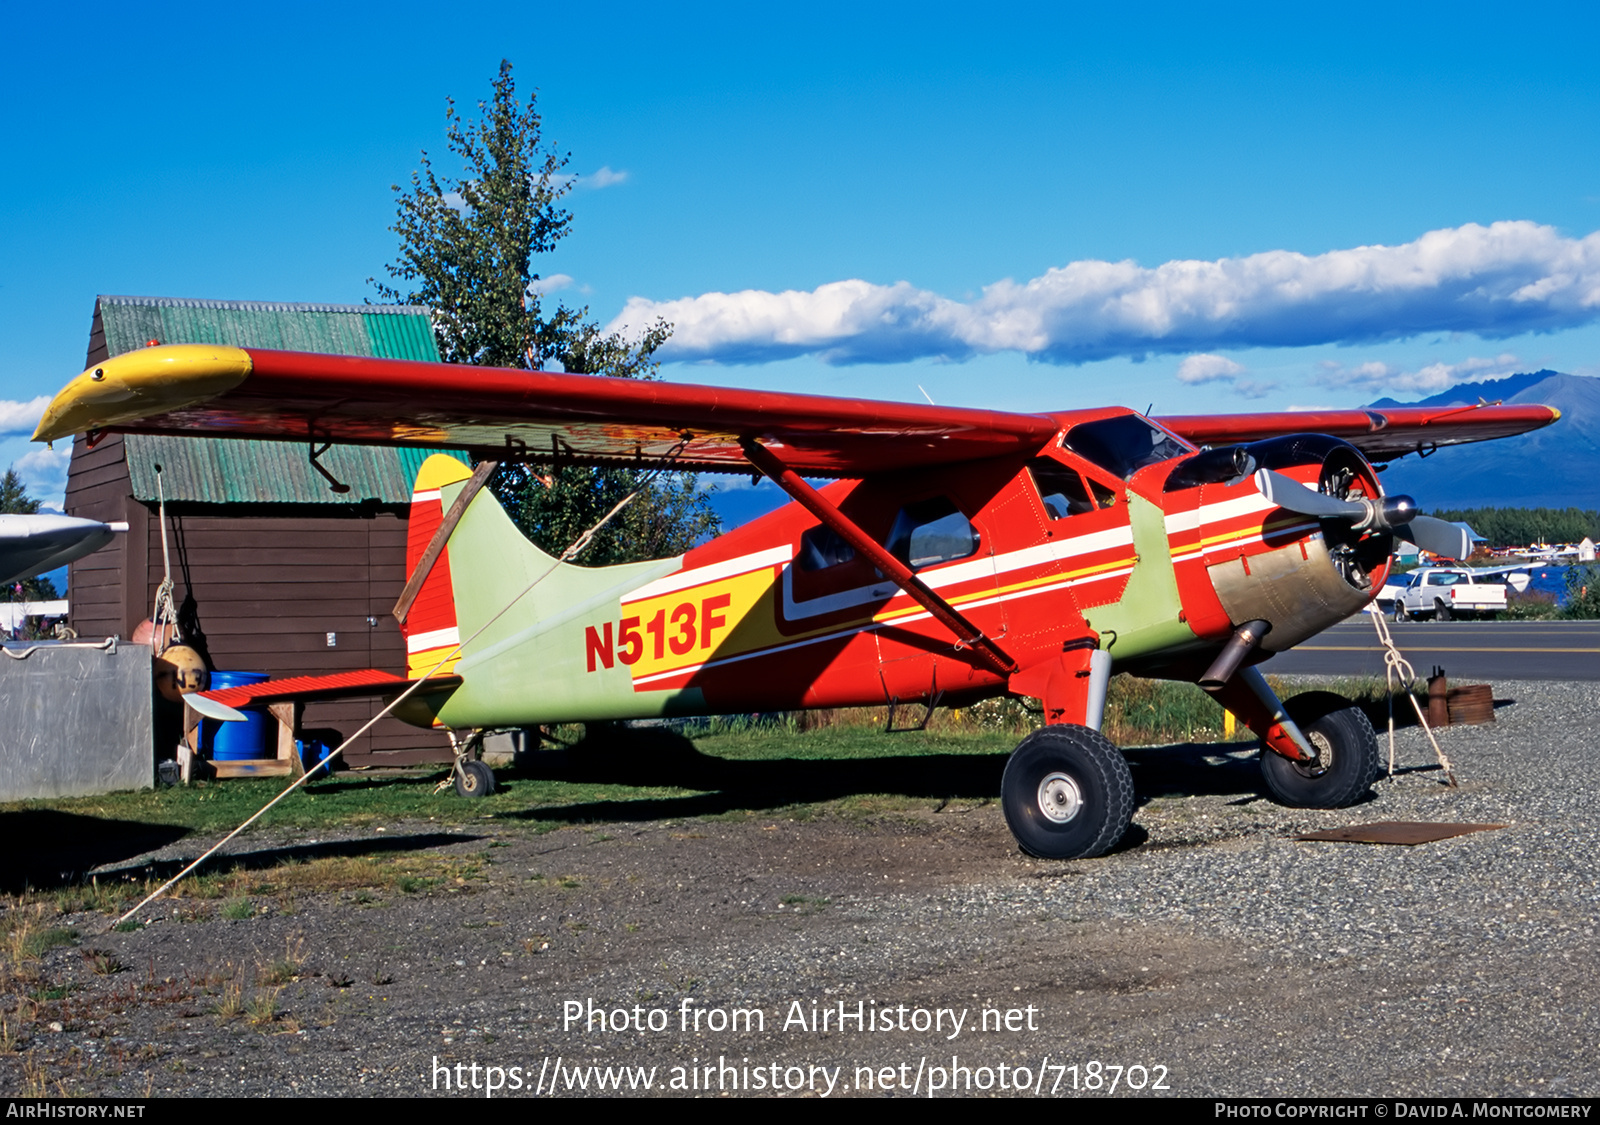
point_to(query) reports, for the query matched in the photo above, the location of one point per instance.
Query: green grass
(839, 762)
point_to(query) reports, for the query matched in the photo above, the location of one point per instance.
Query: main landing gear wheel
(1067, 793)
(1347, 749)
(473, 778)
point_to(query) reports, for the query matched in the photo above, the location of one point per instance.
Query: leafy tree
(15, 501)
(14, 498)
(467, 250)
(1519, 527)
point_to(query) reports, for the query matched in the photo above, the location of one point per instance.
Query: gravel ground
(1211, 955)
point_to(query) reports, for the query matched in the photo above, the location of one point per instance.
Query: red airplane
(961, 554)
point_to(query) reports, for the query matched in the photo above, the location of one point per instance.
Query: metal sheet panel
(205, 470)
(213, 471)
(1406, 832)
(78, 721)
(402, 337)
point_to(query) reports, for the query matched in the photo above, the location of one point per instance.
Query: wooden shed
(276, 570)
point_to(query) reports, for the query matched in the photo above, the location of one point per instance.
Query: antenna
(927, 396)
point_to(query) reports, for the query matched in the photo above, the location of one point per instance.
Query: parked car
(1443, 593)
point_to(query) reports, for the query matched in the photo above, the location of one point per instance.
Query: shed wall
(269, 583)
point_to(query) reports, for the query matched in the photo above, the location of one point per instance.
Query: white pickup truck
(1445, 593)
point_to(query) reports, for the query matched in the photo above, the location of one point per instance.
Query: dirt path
(1214, 956)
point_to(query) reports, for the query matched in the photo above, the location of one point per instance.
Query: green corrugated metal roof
(216, 471)
(220, 471)
(386, 331)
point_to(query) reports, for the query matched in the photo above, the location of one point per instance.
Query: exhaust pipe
(1243, 642)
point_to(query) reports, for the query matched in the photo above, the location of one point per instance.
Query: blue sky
(1037, 208)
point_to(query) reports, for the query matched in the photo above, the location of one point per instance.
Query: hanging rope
(326, 764)
(1399, 673)
(164, 609)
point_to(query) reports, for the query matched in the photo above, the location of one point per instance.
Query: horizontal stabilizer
(316, 689)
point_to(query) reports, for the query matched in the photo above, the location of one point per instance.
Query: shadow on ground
(662, 757)
(296, 853)
(46, 849)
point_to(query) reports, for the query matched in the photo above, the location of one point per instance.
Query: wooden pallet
(287, 763)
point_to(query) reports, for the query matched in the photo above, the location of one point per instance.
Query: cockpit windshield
(1125, 444)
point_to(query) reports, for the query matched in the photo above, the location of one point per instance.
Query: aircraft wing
(1380, 434)
(31, 545)
(220, 391)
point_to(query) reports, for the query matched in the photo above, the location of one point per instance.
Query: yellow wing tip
(439, 470)
(141, 384)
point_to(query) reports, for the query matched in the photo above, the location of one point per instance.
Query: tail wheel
(473, 778)
(1348, 755)
(1067, 793)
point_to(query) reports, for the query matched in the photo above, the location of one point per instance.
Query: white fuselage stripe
(438, 638)
(728, 568)
(1216, 513)
(896, 620)
(992, 566)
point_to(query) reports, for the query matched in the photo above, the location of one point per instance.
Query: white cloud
(604, 177)
(44, 471)
(1248, 388)
(21, 417)
(1494, 281)
(1373, 375)
(1207, 368)
(550, 284)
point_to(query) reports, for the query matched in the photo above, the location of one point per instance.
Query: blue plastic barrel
(237, 742)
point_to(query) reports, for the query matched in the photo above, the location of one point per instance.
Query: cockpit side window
(1124, 444)
(822, 547)
(931, 532)
(1063, 491)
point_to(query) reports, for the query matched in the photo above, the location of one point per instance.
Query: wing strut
(968, 634)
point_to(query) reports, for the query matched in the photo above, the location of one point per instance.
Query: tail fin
(430, 629)
(542, 630)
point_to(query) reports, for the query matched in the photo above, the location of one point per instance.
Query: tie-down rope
(1398, 672)
(327, 763)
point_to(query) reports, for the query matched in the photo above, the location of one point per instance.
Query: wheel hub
(1324, 756)
(1059, 798)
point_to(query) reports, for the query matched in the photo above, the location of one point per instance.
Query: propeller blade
(1288, 493)
(1436, 537)
(211, 709)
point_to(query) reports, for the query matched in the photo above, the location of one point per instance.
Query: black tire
(1399, 610)
(1067, 793)
(473, 779)
(1441, 610)
(1349, 755)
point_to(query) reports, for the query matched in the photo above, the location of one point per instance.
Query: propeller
(1395, 514)
(1436, 537)
(211, 709)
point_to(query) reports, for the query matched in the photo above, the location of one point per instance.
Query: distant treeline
(1520, 527)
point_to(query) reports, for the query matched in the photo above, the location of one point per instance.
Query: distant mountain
(1556, 467)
